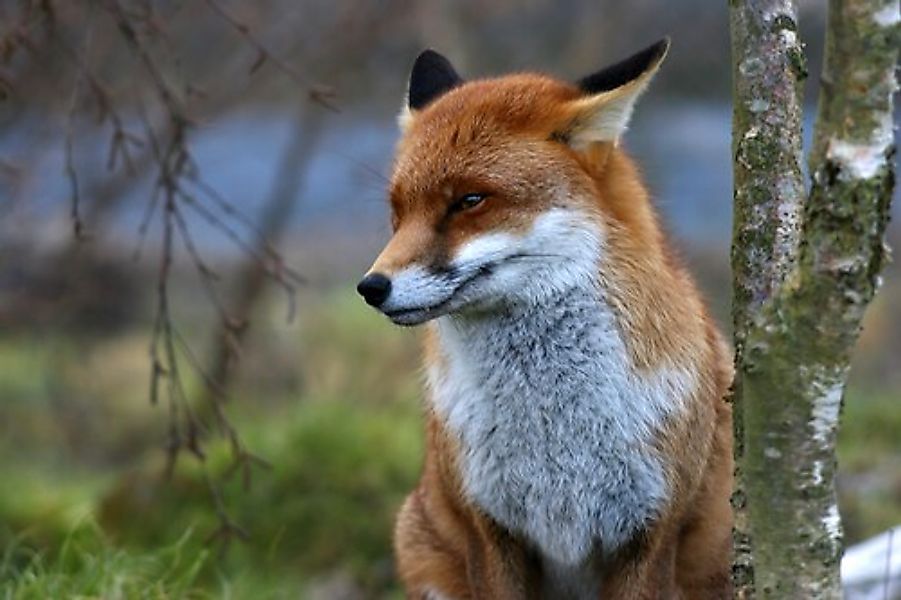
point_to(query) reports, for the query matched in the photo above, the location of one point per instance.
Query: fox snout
(375, 289)
(488, 273)
(413, 294)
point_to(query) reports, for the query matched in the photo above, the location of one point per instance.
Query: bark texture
(794, 340)
(768, 73)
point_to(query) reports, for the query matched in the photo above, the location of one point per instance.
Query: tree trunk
(800, 295)
(767, 74)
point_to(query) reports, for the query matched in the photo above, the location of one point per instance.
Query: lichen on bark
(798, 318)
(769, 191)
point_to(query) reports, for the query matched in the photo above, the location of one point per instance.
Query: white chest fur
(555, 424)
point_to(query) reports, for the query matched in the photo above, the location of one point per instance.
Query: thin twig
(166, 93)
(229, 208)
(71, 172)
(106, 109)
(176, 172)
(208, 276)
(319, 93)
(242, 459)
(284, 275)
(146, 219)
(154, 198)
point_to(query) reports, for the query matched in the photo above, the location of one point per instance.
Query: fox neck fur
(556, 425)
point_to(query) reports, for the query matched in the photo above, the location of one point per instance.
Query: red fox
(578, 441)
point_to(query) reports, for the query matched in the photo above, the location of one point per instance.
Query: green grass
(869, 455)
(86, 565)
(339, 473)
(43, 504)
(870, 429)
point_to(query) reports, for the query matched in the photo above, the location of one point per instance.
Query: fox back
(579, 444)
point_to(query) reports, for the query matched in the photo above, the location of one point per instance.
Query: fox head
(495, 188)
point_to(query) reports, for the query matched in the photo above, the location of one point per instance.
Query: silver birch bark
(767, 74)
(805, 267)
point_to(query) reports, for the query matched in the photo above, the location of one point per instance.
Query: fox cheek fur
(578, 440)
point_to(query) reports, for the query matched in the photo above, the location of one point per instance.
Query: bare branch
(166, 93)
(179, 193)
(319, 93)
(71, 172)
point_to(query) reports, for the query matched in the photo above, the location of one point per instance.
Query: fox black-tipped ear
(432, 76)
(603, 113)
(630, 69)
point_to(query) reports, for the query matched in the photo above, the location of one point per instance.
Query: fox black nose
(374, 288)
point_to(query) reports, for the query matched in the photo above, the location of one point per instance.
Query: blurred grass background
(84, 497)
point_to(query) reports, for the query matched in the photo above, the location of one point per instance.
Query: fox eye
(467, 201)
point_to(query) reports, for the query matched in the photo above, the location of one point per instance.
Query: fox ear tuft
(432, 76)
(614, 76)
(603, 114)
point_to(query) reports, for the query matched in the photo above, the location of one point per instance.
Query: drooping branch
(321, 94)
(47, 42)
(188, 428)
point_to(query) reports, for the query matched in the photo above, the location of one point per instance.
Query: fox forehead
(479, 137)
(521, 103)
